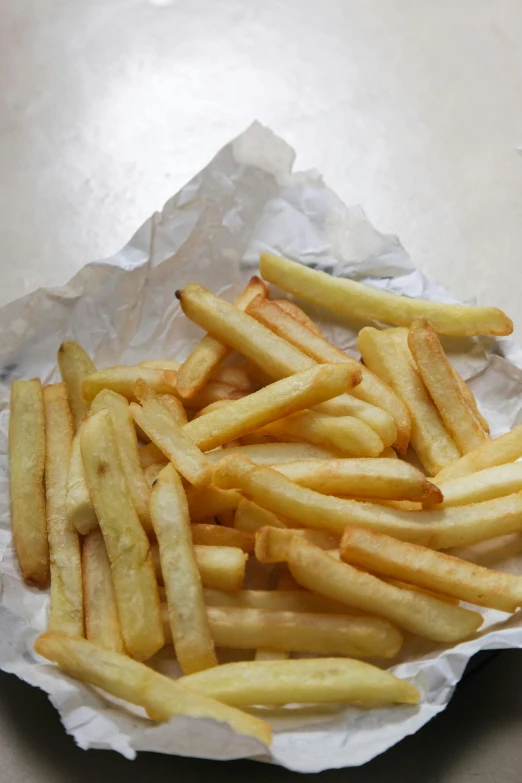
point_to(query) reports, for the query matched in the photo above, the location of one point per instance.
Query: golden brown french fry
(365, 478)
(273, 453)
(495, 482)
(186, 607)
(302, 681)
(416, 612)
(282, 398)
(138, 684)
(506, 448)
(127, 444)
(273, 544)
(26, 464)
(66, 611)
(220, 567)
(431, 570)
(217, 535)
(290, 308)
(210, 502)
(357, 300)
(173, 440)
(250, 517)
(371, 389)
(75, 365)
(470, 400)
(123, 381)
(127, 545)
(296, 600)
(439, 378)
(79, 508)
(102, 624)
(392, 362)
(209, 352)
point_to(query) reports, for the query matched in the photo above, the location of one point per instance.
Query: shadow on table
(39, 745)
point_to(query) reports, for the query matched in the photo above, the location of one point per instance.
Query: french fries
(27, 464)
(273, 453)
(290, 308)
(216, 535)
(296, 600)
(212, 392)
(102, 624)
(75, 365)
(209, 352)
(220, 567)
(127, 545)
(272, 544)
(123, 381)
(499, 451)
(210, 501)
(79, 508)
(443, 387)
(162, 428)
(250, 517)
(138, 684)
(431, 570)
(470, 400)
(187, 615)
(417, 612)
(66, 610)
(487, 484)
(357, 300)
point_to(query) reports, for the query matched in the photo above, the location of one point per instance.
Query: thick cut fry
(210, 501)
(302, 681)
(290, 308)
(506, 448)
(138, 684)
(371, 389)
(273, 544)
(75, 365)
(365, 478)
(66, 611)
(296, 600)
(392, 362)
(439, 379)
(470, 400)
(357, 300)
(220, 567)
(79, 508)
(186, 606)
(127, 444)
(416, 612)
(250, 517)
(173, 440)
(431, 570)
(123, 381)
(127, 545)
(496, 482)
(216, 535)
(273, 453)
(289, 395)
(102, 624)
(26, 464)
(209, 352)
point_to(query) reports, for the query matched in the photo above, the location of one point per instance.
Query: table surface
(411, 109)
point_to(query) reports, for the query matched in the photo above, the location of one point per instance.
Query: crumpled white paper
(123, 310)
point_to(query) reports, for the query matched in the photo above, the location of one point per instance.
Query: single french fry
(210, 501)
(499, 451)
(66, 610)
(217, 535)
(127, 545)
(273, 453)
(416, 612)
(27, 464)
(79, 508)
(271, 655)
(357, 300)
(174, 407)
(282, 398)
(371, 390)
(138, 684)
(365, 478)
(470, 400)
(75, 365)
(187, 614)
(290, 308)
(495, 482)
(272, 544)
(250, 517)
(123, 381)
(127, 444)
(391, 361)
(269, 681)
(102, 624)
(220, 567)
(163, 430)
(209, 352)
(431, 570)
(295, 600)
(439, 378)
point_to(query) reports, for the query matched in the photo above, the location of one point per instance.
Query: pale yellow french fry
(391, 361)
(365, 478)
(102, 624)
(416, 612)
(470, 400)
(209, 352)
(270, 655)
(371, 389)
(79, 508)
(123, 381)
(217, 535)
(273, 544)
(138, 684)
(173, 440)
(210, 501)
(273, 453)
(269, 681)
(289, 395)
(296, 600)
(175, 408)
(66, 611)
(26, 465)
(290, 308)
(127, 545)
(75, 365)
(250, 517)
(351, 299)
(127, 444)
(506, 448)
(431, 570)
(220, 567)
(495, 482)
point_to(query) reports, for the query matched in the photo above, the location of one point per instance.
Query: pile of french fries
(255, 497)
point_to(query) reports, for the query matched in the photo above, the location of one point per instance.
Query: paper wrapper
(123, 310)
